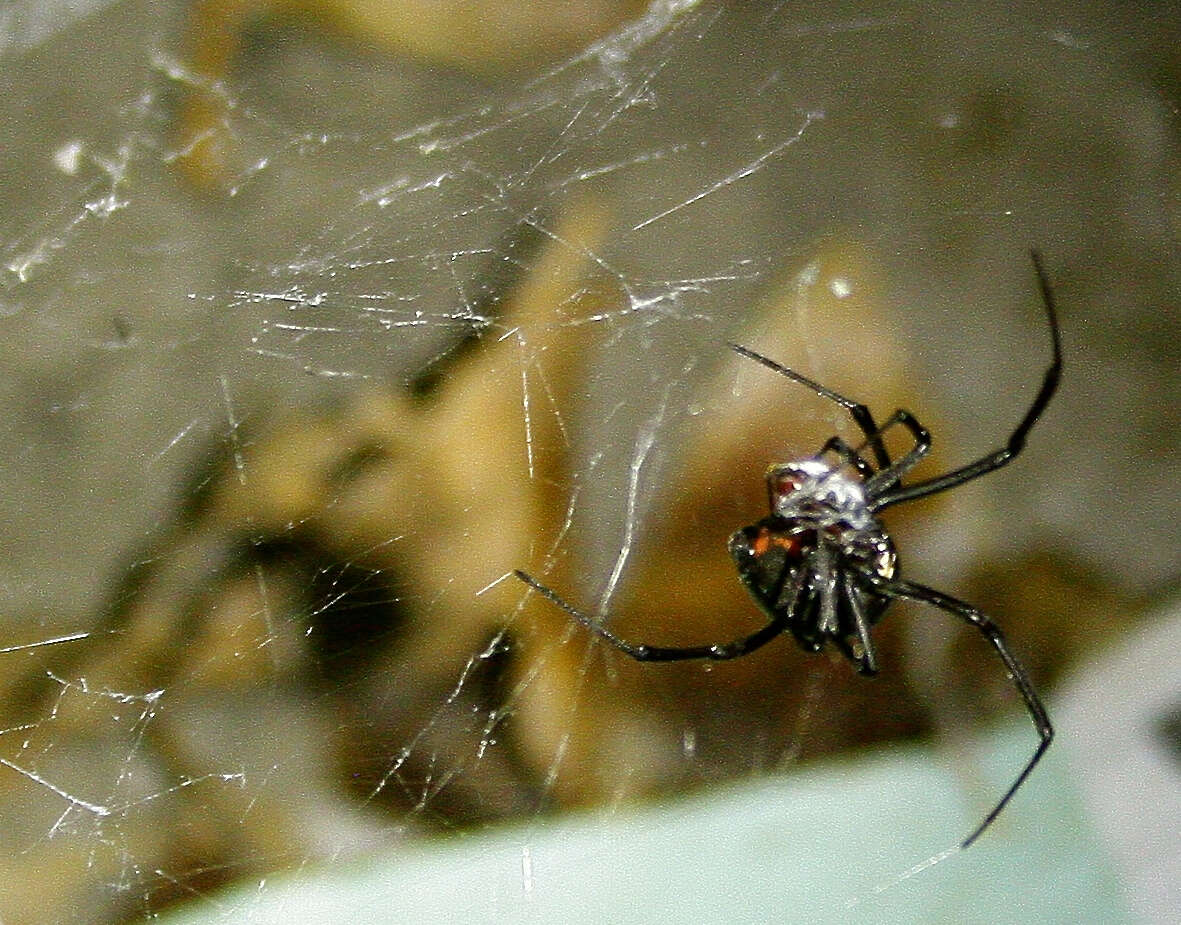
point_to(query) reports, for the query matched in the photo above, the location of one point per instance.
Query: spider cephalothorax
(822, 568)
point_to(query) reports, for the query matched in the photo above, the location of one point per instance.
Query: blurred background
(320, 318)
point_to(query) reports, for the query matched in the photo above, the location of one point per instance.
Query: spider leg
(861, 414)
(887, 478)
(1016, 442)
(827, 623)
(897, 588)
(849, 455)
(868, 663)
(645, 653)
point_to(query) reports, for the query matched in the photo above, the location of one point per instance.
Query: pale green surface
(834, 844)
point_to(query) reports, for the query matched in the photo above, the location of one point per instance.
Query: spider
(822, 567)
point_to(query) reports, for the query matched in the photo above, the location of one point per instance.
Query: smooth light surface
(1125, 767)
(872, 841)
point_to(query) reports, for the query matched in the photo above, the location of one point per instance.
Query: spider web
(277, 431)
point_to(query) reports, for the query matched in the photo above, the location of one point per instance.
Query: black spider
(821, 565)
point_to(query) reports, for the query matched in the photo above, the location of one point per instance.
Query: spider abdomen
(803, 571)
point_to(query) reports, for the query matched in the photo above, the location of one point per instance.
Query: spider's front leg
(877, 487)
(849, 455)
(860, 413)
(1016, 442)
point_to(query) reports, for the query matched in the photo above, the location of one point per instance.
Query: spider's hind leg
(641, 652)
(909, 590)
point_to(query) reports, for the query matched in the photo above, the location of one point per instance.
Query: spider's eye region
(782, 482)
(813, 491)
